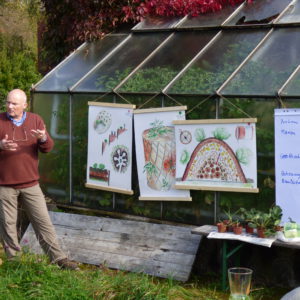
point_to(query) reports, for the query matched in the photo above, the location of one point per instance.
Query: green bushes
(18, 46)
(17, 67)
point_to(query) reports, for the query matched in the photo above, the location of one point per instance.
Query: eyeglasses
(25, 139)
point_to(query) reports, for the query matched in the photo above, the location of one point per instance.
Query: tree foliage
(17, 68)
(18, 51)
(70, 23)
(170, 8)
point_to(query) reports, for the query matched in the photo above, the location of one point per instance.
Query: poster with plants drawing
(156, 154)
(110, 147)
(217, 155)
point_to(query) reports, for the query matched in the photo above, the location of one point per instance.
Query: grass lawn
(31, 277)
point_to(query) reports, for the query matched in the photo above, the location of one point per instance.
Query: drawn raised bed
(99, 173)
(213, 159)
(160, 156)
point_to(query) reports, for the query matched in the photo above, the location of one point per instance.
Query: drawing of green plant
(199, 134)
(157, 129)
(244, 155)
(221, 133)
(165, 184)
(150, 169)
(101, 166)
(184, 157)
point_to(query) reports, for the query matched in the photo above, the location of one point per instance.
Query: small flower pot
(221, 227)
(237, 229)
(261, 232)
(278, 228)
(249, 229)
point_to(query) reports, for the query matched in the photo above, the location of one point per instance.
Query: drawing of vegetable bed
(160, 156)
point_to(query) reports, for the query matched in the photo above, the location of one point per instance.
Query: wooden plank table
(205, 230)
(161, 250)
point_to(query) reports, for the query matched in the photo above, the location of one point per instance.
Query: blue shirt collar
(20, 122)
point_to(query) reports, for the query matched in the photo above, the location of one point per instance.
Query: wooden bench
(205, 230)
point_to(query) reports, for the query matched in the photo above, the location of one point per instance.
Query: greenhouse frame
(242, 61)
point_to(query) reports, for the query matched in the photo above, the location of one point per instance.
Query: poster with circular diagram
(110, 147)
(156, 154)
(216, 155)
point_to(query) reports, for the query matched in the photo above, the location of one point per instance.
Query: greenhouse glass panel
(214, 66)
(269, 67)
(292, 103)
(78, 64)
(292, 15)
(157, 23)
(197, 107)
(199, 212)
(258, 12)
(54, 167)
(119, 65)
(131, 205)
(293, 86)
(212, 19)
(158, 71)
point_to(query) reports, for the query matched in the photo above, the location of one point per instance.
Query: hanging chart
(156, 153)
(109, 161)
(216, 155)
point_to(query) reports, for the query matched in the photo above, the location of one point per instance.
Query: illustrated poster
(217, 155)
(156, 154)
(109, 162)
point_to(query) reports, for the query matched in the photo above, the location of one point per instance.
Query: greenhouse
(240, 62)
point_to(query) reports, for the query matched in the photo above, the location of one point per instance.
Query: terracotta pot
(222, 227)
(249, 229)
(238, 229)
(261, 232)
(278, 228)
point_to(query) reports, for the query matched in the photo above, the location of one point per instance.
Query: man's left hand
(40, 134)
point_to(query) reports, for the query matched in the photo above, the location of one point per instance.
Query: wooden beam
(166, 198)
(179, 186)
(159, 109)
(106, 104)
(214, 121)
(110, 189)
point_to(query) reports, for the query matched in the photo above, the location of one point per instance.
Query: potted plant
(247, 216)
(265, 223)
(276, 215)
(237, 227)
(222, 227)
(229, 221)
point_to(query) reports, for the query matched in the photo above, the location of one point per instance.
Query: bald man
(22, 136)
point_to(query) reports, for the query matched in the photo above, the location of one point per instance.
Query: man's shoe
(67, 264)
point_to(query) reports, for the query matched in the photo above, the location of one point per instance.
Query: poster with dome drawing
(156, 154)
(109, 158)
(216, 155)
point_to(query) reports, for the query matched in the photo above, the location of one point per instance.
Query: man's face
(15, 105)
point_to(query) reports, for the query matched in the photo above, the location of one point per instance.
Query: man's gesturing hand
(8, 145)
(39, 134)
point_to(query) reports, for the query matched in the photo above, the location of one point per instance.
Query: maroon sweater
(19, 169)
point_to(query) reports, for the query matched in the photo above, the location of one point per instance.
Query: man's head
(16, 103)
